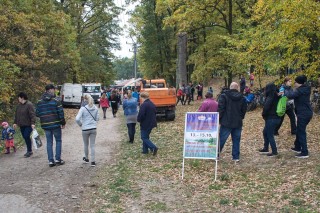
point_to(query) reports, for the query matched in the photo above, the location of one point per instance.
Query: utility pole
(135, 49)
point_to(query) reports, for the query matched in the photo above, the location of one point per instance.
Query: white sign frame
(201, 133)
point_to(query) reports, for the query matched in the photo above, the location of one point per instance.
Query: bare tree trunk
(182, 60)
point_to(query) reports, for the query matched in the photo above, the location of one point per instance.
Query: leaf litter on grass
(255, 184)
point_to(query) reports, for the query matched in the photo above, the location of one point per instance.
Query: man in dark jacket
(271, 118)
(242, 83)
(232, 108)
(25, 118)
(147, 120)
(301, 96)
(51, 115)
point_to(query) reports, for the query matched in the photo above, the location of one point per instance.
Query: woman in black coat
(272, 120)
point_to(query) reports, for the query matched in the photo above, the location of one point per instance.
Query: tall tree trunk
(182, 59)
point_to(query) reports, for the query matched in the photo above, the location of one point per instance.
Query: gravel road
(30, 185)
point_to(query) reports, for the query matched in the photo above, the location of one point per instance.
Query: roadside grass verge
(144, 183)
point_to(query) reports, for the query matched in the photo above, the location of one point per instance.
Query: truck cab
(163, 97)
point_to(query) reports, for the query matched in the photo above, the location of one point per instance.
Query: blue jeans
(301, 136)
(146, 143)
(57, 135)
(131, 131)
(26, 132)
(268, 134)
(235, 135)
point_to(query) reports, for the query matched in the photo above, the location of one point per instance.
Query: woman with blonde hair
(130, 111)
(87, 118)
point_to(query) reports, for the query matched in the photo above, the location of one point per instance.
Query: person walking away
(147, 120)
(52, 120)
(104, 104)
(210, 90)
(25, 118)
(251, 78)
(7, 135)
(188, 94)
(130, 111)
(200, 89)
(301, 96)
(192, 91)
(136, 95)
(87, 119)
(271, 118)
(242, 84)
(209, 104)
(232, 108)
(289, 109)
(179, 96)
(183, 96)
(114, 100)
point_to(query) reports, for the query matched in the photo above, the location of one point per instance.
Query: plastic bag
(35, 137)
(282, 106)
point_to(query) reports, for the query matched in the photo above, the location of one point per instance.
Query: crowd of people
(231, 106)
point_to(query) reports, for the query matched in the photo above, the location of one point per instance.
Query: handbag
(90, 114)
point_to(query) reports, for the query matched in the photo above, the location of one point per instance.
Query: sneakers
(28, 154)
(295, 150)
(86, 160)
(272, 154)
(93, 164)
(51, 164)
(155, 151)
(263, 151)
(302, 156)
(235, 160)
(59, 162)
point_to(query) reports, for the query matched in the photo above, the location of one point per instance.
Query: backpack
(282, 106)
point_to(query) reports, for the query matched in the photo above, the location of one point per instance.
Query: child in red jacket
(7, 135)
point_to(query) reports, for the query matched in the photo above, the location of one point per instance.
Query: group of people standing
(185, 93)
(232, 108)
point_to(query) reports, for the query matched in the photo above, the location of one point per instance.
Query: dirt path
(30, 185)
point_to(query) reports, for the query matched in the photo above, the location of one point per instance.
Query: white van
(94, 89)
(71, 94)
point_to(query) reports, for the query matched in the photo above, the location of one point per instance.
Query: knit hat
(4, 124)
(301, 79)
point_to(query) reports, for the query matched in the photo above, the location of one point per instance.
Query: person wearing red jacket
(104, 103)
(179, 96)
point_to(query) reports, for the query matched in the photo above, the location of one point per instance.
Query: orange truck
(163, 97)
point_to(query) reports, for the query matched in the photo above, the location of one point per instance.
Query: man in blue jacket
(51, 115)
(147, 120)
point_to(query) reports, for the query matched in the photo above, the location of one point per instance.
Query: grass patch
(224, 201)
(225, 177)
(156, 206)
(215, 187)
(296, 202)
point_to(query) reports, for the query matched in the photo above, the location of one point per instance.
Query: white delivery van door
(77, 94)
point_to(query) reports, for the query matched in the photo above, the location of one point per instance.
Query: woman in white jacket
(87, 118)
